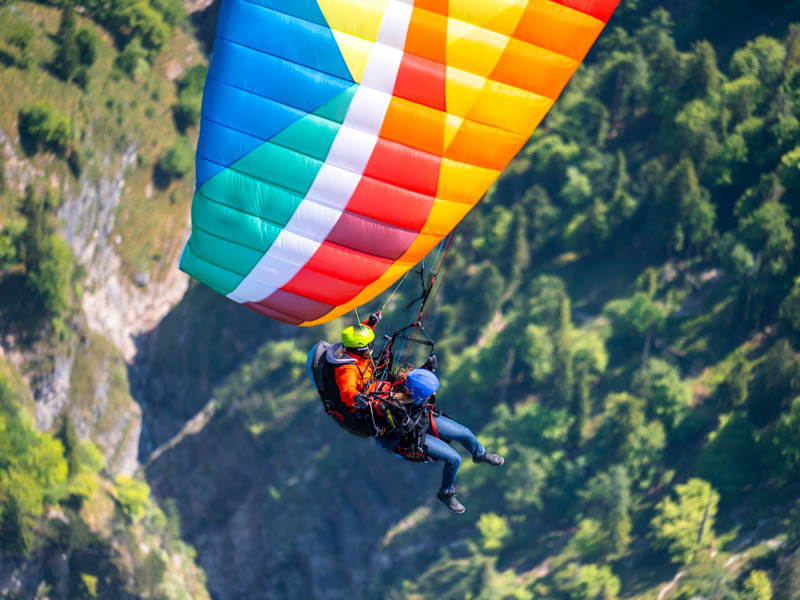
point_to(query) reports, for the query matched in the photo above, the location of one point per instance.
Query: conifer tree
(67, 56)
(563, 371)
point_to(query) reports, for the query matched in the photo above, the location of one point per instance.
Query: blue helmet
(421, 383)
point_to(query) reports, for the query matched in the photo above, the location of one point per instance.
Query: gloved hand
(361, 401)
(374, 319)
(431, 364)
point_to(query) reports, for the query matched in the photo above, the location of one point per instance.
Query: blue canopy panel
(251, 91)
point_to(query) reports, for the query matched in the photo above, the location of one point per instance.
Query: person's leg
(452, 431)
(439, 450)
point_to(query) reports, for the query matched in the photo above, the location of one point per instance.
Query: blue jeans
(451, 431)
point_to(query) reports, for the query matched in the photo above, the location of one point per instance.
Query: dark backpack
(322, 375)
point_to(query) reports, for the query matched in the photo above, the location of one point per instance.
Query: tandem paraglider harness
(383, 417)
(398, 428)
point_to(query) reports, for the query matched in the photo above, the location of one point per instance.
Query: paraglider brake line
(424, 295)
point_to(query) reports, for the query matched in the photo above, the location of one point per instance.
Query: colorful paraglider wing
(341, 140)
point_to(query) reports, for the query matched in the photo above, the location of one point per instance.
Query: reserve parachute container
(341, 140)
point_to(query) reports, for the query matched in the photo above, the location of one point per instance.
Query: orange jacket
(352, 378)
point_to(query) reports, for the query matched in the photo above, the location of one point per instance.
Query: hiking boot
(489, 459)
(451, 502)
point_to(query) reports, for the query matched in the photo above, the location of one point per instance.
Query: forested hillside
(621, 321)
(93, 187)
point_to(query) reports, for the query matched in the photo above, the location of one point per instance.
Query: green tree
(667, 397)
(732, 390)
(685, 526)
(67, 56)
(762, 58)
(775, 383)
(587, 582)
(588, 543)
(695, 133)
(10, 235)
(494, 531)
(702, 73)
(563, 371)
(172, 11)
(133, 496)
(789, 170)
(787, 439)
(622, 205)
(133, 59)
(545, 294)
(69, 439)
(622, 84)
(622, 417)
(49, 263)
(767, 231)
(43, 126)
(20, 35)
(638, 317)
(190, 94)
(689, 213)
(529, 468)
(16, 529)
(582, 408)
(177, 160)
(52, 282)
(537, 352)
(729, 459)
(757, 586)
(88, 45)
(789, 312)
(607, 499)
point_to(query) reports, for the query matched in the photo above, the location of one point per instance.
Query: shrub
(9, 238)
(51, 282)
(757, 586)
(88, 45)
(187, 111)
(494, 530)
(76, 162)
(190, 95)
(177, 161)
(132, 495)
(587, 582)
(20, 36)
(668, 398)
(43, 126)
(193, 80)
(133, 59)
(81, 77)
(172, 11)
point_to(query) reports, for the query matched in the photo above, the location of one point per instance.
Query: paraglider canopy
(341, 140)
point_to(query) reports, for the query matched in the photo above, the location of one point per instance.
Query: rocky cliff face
(300, 510)
(113, 305)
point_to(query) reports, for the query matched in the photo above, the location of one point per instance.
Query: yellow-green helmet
(357, 336)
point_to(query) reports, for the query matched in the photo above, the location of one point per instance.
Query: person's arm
(347, 379)
(372, 320)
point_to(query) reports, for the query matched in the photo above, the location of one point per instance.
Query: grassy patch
(112, 114)
(99, 383)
